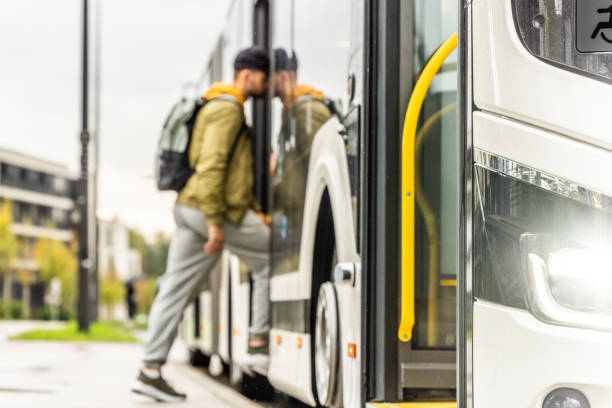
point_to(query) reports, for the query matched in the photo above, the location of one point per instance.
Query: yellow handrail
(408, 183)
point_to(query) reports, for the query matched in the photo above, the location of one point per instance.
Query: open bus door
(416, 363)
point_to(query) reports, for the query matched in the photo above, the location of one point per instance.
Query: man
(215, 208)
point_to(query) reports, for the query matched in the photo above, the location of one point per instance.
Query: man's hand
(263, 218)
(216, 240)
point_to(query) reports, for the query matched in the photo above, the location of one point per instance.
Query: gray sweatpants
(187, 270)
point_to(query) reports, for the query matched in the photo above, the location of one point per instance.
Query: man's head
(292, 66)
(285, 72)
(251, 70)
(281, 73)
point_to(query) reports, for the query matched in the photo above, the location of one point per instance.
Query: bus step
(428, 404)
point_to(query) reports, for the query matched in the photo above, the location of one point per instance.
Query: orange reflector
(234, 332)
(278, 339)
(352, 350)
(220, 328)
(201, 326)
(299, 342)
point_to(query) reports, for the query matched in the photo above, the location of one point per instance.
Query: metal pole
(94, 165)
(261, 110)
(83, 312)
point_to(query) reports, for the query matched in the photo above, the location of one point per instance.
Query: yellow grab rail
(408, 183)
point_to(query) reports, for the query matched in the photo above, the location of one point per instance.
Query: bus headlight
(569, 282)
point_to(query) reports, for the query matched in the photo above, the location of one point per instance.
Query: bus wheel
(256, 387)
(197, 358)
(327, 344)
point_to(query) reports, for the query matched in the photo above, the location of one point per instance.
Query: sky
(150, 50)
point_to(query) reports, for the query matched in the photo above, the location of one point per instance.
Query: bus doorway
(419, 362)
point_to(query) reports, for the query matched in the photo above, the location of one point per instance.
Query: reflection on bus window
(309, 87)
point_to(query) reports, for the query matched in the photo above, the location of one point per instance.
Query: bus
(436, 174)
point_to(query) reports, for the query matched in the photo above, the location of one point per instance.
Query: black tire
(197, 358)
(322, 269)
(257, 388)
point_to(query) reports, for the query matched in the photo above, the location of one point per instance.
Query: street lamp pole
(84, 313)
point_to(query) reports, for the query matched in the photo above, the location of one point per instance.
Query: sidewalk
(92, 375)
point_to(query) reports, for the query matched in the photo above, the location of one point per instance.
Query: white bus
(443, 238)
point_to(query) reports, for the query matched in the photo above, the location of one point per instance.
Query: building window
(60, 185)
(13, 174)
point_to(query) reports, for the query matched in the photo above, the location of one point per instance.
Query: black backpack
(172, 168)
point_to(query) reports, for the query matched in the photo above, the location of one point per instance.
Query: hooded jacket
(222, 184)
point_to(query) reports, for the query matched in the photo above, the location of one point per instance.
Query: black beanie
(253, 58)
(292, 64)
(281, 60)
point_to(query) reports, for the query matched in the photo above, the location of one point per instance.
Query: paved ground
(92, 375)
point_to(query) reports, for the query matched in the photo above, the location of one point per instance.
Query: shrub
(46, 313)
(145, 293)
(12, 309)
(112, 291)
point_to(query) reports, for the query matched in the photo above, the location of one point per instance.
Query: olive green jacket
(221, 186)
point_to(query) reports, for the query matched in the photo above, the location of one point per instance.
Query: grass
(98, 331)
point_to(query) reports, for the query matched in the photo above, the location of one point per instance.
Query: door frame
(465, 296)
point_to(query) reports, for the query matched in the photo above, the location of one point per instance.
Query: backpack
(172, 168)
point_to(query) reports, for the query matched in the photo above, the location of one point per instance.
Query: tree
(112, 291)
(154, 255)
(8, 248)
(145, 293)
(55, 260)
(26, 278)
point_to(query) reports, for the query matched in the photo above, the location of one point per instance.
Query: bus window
(309, 86)
(436, 221)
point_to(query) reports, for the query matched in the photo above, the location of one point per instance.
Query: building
(115, 256)
(42, 195)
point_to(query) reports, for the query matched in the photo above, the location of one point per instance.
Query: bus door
(426, 341)
(428, 354)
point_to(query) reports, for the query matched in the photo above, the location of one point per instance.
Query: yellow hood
(219, 88)
(301, 90)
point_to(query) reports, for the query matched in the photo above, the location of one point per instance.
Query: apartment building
(42, 194)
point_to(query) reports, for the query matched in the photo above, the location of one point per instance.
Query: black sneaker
(156, 388)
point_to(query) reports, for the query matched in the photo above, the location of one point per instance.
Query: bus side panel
(328, 169)
(518, 359)
(223, 329)
(241, 302)
(526, 144)
(205, 343)
(508, 80)
(289, 369)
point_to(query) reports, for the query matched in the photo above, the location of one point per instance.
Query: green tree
(145, 293)
(55, 260)
(26, 278)
(154, 255)
(112, 291)
(8, 248)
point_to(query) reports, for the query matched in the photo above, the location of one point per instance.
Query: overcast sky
(150, 48)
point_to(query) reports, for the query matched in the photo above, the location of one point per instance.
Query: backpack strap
(236, 140)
